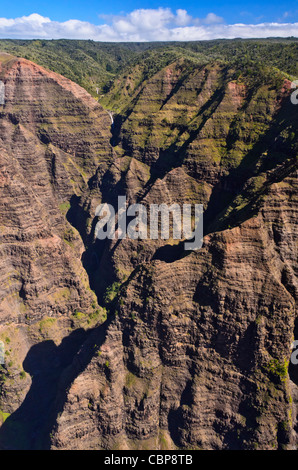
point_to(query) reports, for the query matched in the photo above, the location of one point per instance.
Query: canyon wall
(138, 344)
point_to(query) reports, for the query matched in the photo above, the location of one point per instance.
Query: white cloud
(182, 18)
(142, 25)
(211, 18)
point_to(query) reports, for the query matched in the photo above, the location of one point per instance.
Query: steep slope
(53, 137)
(196, 346)
(197, 350)
(200, 361)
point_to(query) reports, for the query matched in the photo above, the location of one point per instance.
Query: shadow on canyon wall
(52, 369)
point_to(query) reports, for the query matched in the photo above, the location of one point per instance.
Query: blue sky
(233, 11)
(144, 20)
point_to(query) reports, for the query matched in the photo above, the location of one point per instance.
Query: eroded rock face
(53, 137)
(196, 346)
(197, 354)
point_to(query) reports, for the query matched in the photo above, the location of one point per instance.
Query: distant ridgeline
(94, 65)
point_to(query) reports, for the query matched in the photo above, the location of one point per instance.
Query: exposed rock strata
(195, 350)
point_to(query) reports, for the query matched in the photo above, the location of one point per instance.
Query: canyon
(140, 344)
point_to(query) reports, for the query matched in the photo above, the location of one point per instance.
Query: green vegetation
(95, 64)
(45, 325)
(130, 380)
(88, 63)
(64, 207)
(111, 292)
(79, 315)
(69, 236)
(278, 369)
(3, 416)
(99, 315)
